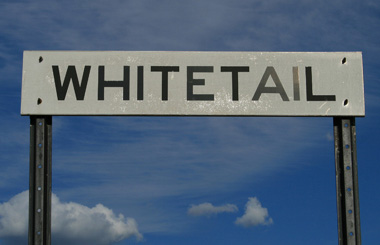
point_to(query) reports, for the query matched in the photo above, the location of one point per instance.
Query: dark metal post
(347, 188)
(40, 180)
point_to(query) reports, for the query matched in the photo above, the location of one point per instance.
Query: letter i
(296, 83)
(140, 83)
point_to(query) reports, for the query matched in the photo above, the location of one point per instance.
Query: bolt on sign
(192, 83)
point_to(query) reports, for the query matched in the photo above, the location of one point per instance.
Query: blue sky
(188, 180)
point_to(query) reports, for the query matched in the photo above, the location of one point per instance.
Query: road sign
(192, 83)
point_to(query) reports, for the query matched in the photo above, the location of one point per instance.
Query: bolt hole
(40, 166)
(38, 233)
(39, 101)
(350, 211)
(345, 102)
(40, 59)
(344, 60)
(39, 188)
(348, 189)
(39, 145)
(347, 146)
(351, 233)
(346, 125)
(348, 168)
(40, 123)
(39, 210)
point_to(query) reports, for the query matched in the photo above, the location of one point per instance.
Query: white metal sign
(192, 83)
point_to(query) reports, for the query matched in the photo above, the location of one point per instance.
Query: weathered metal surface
(192, 83)
(40, 180)
(347, 181)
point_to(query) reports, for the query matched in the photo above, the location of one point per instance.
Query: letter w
(71, 74)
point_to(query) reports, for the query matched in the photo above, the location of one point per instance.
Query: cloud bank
(207, 209)
(72, 223)
(254, 214)
(14, 216)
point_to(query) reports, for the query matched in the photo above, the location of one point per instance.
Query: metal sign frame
(347, 190)
(40, 180)
(347, 183)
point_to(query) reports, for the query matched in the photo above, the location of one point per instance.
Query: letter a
(278, 89)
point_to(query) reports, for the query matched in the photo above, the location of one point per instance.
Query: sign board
(192, 83)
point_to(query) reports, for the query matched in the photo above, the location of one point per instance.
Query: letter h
(124, 83)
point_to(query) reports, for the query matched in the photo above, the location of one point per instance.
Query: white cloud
(207, 209)
(254, 214)
(14, 216)
(72, 223)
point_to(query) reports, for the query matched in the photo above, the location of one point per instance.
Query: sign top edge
(172, 51)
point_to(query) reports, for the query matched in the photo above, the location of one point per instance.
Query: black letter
(309, 89)
(140, 83)
(165, 70)
(191, 82)
(279, 89)
(296, 84)
(235, 80)
(71, 74)
(124, 84)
